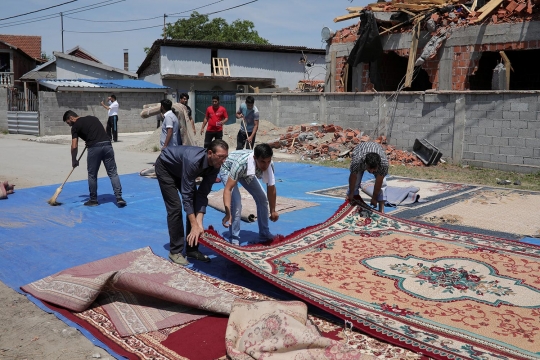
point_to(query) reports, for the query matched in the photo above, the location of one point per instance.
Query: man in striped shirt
(246, 167)
(370, 157)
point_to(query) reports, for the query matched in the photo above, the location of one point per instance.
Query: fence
(25, 101)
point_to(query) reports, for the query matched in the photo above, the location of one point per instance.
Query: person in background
(184, 101)
(112, 120)
(169, 129)
(216, 116)
(177, 167)
(247, 167)
(370, 157)
(90, 129)
(248, 128)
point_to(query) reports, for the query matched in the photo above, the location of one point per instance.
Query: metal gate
(23, 122)
(203, 99)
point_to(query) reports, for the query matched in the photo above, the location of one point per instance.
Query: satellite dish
(326, 33)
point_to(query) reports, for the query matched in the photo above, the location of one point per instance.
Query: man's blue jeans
(99, 152)
(259, 195)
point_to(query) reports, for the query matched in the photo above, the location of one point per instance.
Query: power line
(150, 27)
(35, 11)
(145, 19)
(115, 21)
(112, 31)
(200, 7)
(215, 12)
(52, 16)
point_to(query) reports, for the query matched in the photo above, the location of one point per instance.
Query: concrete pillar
(323, 117)
(275, 109)
(445, 68)
(459, 130)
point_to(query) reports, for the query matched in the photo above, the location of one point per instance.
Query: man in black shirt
(176, 169)
(90, 129)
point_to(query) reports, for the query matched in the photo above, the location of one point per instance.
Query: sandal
(197, 255)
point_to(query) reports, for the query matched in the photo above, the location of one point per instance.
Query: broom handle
(80, 156)
(245, 129)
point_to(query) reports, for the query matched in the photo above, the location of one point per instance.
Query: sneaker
(91, 203)
(120, 202)
(197, 255)
(178, 259)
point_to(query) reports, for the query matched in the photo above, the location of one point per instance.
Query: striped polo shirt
(358, 164)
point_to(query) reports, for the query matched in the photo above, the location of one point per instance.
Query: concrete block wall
(503, 130)
(3, 109)
(498, 130)
(53, 105)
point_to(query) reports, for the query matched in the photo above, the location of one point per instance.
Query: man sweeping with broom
(90, 129)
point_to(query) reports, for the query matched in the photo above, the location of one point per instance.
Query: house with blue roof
(79, 81)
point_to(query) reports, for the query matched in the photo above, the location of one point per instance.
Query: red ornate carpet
(142, 307)
(445, 294)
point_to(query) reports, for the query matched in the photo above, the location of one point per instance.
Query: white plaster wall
(284, 67)
(66, 69)
(185, 61)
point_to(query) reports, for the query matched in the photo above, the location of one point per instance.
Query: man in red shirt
(216, 116)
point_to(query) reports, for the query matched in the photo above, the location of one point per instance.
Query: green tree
(200, 27)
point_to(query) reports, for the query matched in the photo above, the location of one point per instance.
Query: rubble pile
(402, 15)
(332, 142)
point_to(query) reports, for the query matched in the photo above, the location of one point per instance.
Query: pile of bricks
(332, 142)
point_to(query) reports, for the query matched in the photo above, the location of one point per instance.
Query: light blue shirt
(250, 116)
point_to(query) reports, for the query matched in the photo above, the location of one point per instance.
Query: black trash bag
(368, 47)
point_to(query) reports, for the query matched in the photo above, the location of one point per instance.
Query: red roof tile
(30, 44)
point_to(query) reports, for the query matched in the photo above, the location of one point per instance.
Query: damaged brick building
(464, 57)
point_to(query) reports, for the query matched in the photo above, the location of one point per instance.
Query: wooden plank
(417, 17)
(414, 7)
(508, 66)
(346, 17)
(429, 2)
(487, 9)
(352, 9)
(473, 6)
(412, 55)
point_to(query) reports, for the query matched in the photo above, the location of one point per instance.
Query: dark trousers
(169, 185)
(102, 152)
(112, 127)
(241, 140)
(211, 135)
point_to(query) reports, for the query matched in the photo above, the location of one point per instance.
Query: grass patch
(155, 148)
(5, 132)
(454, 174)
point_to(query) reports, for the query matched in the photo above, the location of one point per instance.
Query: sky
(106, 28)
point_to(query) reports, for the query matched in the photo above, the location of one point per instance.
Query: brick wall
(53, 105)
(499, 130)
(3, 109)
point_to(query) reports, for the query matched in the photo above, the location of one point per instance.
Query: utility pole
(62, 26)
(164, 17)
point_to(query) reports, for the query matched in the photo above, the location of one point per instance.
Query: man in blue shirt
(177, 167)
(248, 129)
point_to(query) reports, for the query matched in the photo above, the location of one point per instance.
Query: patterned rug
(494, 209)
(249, 209)
(426, 190)
(442, 293)
(197, 338)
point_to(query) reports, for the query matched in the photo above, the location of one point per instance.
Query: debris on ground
(503, 182)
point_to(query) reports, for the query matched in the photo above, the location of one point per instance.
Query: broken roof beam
(487, 9)
(346, 17)
(414, 7)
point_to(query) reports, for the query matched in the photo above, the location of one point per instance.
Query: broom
(52, 200)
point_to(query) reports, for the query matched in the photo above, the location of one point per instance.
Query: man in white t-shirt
(112, 121)
(247, 167)
(169, 128)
